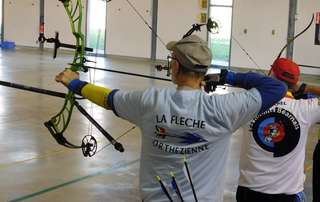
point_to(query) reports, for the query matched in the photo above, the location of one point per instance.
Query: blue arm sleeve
(76, 86)
(271, 90)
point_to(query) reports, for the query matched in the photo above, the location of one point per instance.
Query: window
(96, 29)
(221, 2)
(221, 11)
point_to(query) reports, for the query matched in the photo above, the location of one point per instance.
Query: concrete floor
(33, 167)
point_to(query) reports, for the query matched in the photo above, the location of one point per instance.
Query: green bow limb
(58, 124)
(75, 18)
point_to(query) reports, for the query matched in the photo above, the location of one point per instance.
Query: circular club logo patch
(276, 131)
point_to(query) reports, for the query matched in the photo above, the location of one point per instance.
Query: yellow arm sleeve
(96, 94)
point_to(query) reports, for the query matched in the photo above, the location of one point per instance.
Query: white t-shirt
(178, 123)
(273, 151)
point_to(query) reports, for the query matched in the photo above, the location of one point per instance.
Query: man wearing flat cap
(184, 122)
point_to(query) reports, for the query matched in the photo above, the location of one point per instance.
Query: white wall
(21, 21)
(127, 34)
(175, 18)
(259, 17)
(56, 19)
(305, 52)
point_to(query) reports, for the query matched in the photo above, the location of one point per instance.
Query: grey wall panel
(127, 35)
(21, 21)
(56, 20)
(175, 19)
(305, 52)
(260, 18)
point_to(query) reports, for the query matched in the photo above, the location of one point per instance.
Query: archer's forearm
(96, 94)
(271, 90)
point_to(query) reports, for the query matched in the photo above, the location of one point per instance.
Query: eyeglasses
(170, 58)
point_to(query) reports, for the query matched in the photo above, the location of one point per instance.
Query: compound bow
(58, 124)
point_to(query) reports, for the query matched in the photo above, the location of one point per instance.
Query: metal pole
(41, 25)
(2, 21)
(155, 29)
(231, 35)
(291, 26)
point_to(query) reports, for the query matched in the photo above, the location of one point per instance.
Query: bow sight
(212, 26)
(58, 44)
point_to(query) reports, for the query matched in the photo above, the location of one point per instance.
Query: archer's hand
(66, 77)
(211, 81)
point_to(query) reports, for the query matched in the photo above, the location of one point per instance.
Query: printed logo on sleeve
(276, 131)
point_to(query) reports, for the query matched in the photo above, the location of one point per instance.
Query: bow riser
(75, 18)
(60, 122)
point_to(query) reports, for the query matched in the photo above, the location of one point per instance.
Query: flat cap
(192, 52)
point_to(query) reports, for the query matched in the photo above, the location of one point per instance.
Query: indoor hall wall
(175, 18)
(21, 21)
(127, 35)
(305, 51)
(56, 19)
(259, 18)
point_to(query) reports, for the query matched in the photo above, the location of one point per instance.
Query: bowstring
(248, 55)
(92, 79)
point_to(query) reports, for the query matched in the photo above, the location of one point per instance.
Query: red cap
(286, 70)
